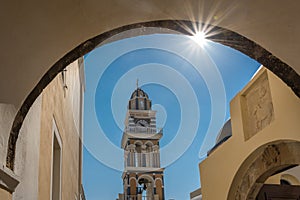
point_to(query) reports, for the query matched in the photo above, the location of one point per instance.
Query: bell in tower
(143, 178)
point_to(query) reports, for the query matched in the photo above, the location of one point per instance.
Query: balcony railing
(147, 130)
(138, 197)
(151, 159)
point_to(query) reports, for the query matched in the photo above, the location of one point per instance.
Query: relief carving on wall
(257, 107)
(271, 155)
(237, 195)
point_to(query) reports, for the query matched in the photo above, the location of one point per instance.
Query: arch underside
(264, 162)
(223, 36)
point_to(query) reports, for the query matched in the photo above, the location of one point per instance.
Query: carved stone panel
(271, 156)
(257, 106)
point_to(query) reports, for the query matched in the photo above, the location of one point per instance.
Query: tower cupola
(139, 100)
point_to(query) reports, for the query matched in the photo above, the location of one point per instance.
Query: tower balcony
(141, 197)
(142, 161)
(143, 130)
(144, 133)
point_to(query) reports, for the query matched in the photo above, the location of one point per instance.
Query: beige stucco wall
(218, 170)
(5, 195)
(62, 105)
(59, 107)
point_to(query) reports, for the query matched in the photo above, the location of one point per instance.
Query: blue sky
(190, 87)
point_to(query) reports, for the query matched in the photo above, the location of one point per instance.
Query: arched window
(284, 182)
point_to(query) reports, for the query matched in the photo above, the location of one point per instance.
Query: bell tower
(142, 177)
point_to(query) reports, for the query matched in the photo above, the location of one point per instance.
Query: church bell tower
(142, 177)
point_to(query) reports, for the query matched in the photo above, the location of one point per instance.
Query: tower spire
(137, 83)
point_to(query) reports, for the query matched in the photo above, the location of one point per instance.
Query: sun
(199, 38)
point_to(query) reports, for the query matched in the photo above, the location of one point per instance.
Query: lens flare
(199, 38)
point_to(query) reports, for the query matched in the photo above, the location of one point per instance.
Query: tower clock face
(142, 123)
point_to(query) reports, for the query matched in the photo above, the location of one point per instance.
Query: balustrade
(142, 159)
(139, 129)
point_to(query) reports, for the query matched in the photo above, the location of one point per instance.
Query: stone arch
(149, 146)
(149, 143)
(138, 142)
(134, 179)
(150, 179)
(223, 36)
(156, 180)
(262, 163)
(138, 146)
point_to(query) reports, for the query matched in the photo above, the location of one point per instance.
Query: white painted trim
(55, 133)
(143, 169)
(197, 197)
(81, 72)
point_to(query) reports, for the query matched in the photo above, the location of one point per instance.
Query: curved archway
(292, 180)
(264, 162)
(223, 36)
(145, 176)
(138, 142)
(147, 182)
(133, 179)
(149, 143)
(156, 180)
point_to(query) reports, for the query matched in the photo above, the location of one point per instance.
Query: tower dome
(139, 100)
